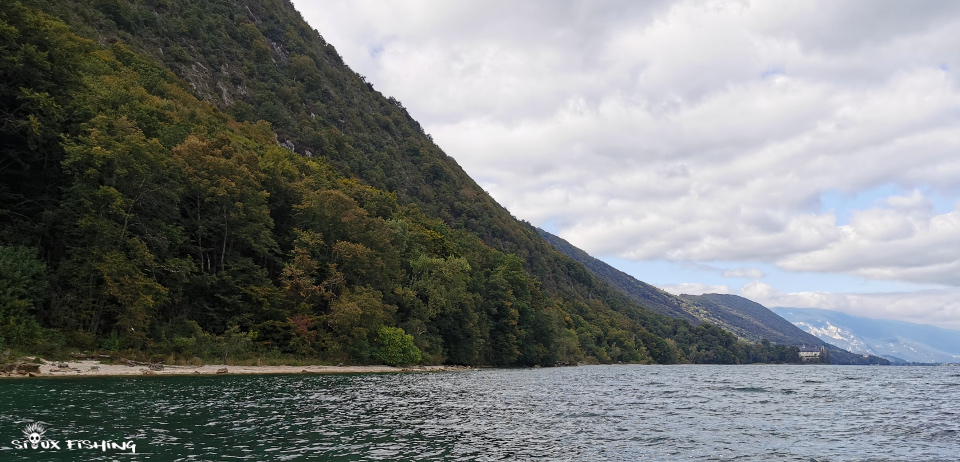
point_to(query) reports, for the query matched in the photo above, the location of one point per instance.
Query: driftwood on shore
(20, 368)
(132, 363)
(83, 356)
(129, 362)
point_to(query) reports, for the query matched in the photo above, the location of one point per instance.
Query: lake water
(628, 413)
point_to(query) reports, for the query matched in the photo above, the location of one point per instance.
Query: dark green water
(821, 413)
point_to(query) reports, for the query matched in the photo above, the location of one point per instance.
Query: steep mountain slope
(646, 294)
(258, 60)
(206, 178)
(894, 340)
(749, 319)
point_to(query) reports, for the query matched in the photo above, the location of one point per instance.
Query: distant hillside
(743, 317)
(749, 319)
(746, 319)
(895, 340)
(651, 297)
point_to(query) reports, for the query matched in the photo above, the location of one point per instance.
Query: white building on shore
(810, 353)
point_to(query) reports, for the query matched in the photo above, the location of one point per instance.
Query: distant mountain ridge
(895, 340)
(744, 318)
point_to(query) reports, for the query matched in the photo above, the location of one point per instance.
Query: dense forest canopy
(208, 178)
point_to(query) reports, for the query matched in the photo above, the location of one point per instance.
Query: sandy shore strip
(93, 368)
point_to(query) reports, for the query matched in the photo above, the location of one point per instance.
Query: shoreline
(94, 368)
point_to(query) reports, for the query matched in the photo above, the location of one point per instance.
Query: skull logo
(34, 432)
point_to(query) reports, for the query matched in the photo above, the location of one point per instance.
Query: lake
(808, 413)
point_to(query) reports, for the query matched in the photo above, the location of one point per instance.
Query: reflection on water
(586, 413)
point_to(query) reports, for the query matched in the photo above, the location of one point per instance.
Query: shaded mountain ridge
(746, 319)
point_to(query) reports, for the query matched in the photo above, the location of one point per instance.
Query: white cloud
(694, 289)
(916, 201)
(935, 307)
(908, 243)
(757, 291)
(747, 273)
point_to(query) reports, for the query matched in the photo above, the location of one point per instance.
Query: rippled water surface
(819, 413)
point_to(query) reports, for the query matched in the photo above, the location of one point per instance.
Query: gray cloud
(692, 288)
(747, 273)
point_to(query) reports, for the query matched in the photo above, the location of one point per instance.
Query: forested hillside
(208, 178)
(641, 292)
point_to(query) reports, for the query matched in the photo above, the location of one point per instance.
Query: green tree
(395, 347)
(225, 203)
(23, 288)
(119, 195)
(23, 285)
(352, 323)
(41, 69)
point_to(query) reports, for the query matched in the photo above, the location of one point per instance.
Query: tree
(119, 196)
(41, 71)
(225, 203)
(395, 347)
(301, 274)
(353, 321)
(23, 288)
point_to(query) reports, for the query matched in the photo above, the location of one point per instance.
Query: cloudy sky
(802, 154)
